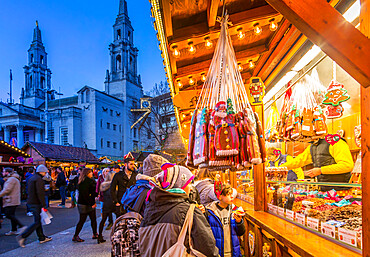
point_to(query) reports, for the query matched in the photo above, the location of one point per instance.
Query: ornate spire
(123, 7)
(37, 33)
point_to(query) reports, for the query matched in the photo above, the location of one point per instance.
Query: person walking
(101, 197)
(36, 201)
(108, 205)
(121, 181)
(27, 176)
(62, 185)
(47, 180)
(86, 203)
(72, 187)
(11, 194)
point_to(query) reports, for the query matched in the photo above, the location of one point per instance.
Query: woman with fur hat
(165, 214)
(108, 205)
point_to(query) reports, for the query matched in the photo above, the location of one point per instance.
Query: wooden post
(260, 197)
(365, 140)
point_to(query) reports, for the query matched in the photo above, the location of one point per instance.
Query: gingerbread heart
(332, 139)
(277, 152)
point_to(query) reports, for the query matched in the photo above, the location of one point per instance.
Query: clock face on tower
(145, 104)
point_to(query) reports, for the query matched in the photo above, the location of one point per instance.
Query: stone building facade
(98, 120)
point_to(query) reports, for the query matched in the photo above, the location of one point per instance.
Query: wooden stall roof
(7, 150)
(181, 24)
(62, 153)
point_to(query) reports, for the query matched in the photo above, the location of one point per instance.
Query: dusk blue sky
(76, 35)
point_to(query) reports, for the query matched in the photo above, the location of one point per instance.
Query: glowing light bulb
(183, 116)
(251, 64)
(203, 77)
(179, 84)
(191, 81)
(192, 49)
(240, 67)
(208, 43)
(241, 35)
(273, 25)
(257, 29)
(184, 126)
(176, 52)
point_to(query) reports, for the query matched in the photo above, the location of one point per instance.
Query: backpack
(125, 232)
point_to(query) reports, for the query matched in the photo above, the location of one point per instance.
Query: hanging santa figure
(226, 136)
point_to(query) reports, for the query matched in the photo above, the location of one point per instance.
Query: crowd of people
(166, 196)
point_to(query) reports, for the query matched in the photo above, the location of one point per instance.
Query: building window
(41, 59)
(27, 136)
(118, 34)
(114, 145)
(134, 132)
(118, 62)
(111, 112)
(64, 136)
(1, 113)
(108, 143)
(43, 82)
(114, 127)
(87, 96)
(82, 97)
(50, 133)
(101, 123)
(136, 145)
(31, 58)
(120, 145)
(120, 128)
(108, 125)
(101, 143)
(149, 134)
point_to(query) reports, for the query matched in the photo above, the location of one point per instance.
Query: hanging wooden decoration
(256, 91)
(224, 131)
(335, 95)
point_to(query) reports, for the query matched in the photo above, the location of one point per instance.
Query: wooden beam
(167, 18)
(200, 29)
(212, 8)
(365, 139)
(327, 28)
(202, 66)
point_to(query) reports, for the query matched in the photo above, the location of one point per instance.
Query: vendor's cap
(152, 164)
(41, 168)
(174, 176)
(116, 166)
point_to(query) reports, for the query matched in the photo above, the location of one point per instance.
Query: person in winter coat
(121, 182)
(86, 203)
(165, 214)
(62, 185)
(11, 194)
(225, 225)
(108, 205)
(100, 195)
(151, 167)
(27, 176)
(205, 186)
(36, 201)
(47, 180)
(72, 187)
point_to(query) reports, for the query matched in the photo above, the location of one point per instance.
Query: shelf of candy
(334, 214)
(302, 116)
(276, 173)
(246, 192)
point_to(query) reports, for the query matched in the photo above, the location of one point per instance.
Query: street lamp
(47, 92)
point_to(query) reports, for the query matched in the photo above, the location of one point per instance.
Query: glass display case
(332, 210)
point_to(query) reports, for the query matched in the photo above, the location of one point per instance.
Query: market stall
(213, 78)
(58, 155)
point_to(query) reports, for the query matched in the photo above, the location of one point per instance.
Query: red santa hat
(334, 85)
(219, 105)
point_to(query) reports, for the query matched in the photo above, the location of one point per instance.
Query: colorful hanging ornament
(358, 136)
(333, 112)
(335, 94)
(332, 139)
